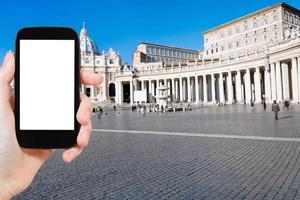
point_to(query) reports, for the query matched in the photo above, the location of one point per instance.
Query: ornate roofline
(250, 15)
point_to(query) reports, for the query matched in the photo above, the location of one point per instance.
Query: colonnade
(276, 80)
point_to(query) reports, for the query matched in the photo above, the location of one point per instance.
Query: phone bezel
(46, 138)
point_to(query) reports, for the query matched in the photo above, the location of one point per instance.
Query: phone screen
(47, 90)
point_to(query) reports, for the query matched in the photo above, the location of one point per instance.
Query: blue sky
(123, 24)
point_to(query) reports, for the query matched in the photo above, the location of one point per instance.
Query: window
(148, 49)
(265, 37)
(265, 21)
(246, 27)
(212, 51)
(110, 77)
(254, 24)
(229, 46)
(217, 50)
(246, 42)
(229, 33)
(148, 59)
(237, 43)
(163, 52)
(206, 40)
(255, 40)
(153, 50)
(237, 30)
(158, 51)
(167, 52)
(275, 17)
(265, 29)
(111, 61)
(222, 48)
(222, 35)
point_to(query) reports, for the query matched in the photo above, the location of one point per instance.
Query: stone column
(285, 81)
(169, 86)
(221, 88)
(229, 88)
(248, 86)
(257, 85)
(173, 89)
(204, 88)
(238, 86)
(278, 81)
(157, 85)
(268, 96)
(197, 89)
(150, 90)
(295, 80)
(213, 89)
(189, 88)
(120, 93)
(117, 92)
(143, 85)
(298, 63)
(131, 92)
(176, 89)
(180, 89)
(273, 81)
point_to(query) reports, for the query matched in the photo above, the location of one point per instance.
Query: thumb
(6, 76)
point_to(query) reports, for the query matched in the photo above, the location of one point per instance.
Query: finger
(12, 101)
(85, 110)
(6, 76)
(90, 78)
(84, 135)
(72, 153)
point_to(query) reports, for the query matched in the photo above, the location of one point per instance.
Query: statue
(287, 33)
(294, 33)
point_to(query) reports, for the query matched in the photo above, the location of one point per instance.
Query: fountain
(162, 96)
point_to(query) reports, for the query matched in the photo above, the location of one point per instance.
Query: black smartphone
(46, 87)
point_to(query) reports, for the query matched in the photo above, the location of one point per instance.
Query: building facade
(148, 53)
(250, 59)
(106, 63)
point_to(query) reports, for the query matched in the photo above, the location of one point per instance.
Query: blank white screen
(47, 84)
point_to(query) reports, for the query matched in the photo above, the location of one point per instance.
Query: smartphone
(46, 87)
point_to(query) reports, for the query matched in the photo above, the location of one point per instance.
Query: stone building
(105, 63)
(147, 53)
(249, 59)
(252, 58)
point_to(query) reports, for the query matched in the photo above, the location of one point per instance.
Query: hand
(18, 166)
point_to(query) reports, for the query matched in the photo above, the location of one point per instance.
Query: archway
(112, 90)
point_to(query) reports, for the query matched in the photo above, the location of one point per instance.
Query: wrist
(4, 192)
(5, 195)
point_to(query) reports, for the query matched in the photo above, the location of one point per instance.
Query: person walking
(275, 109)
(264, 105)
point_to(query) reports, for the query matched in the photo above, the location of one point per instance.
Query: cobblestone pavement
(147, 166)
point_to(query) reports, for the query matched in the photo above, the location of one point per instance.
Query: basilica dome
(87, 45)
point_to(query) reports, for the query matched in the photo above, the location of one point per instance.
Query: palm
(20, 162)
(18, 165)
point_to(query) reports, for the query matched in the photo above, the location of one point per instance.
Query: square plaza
(232, 152)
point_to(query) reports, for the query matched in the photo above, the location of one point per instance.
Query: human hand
(18, 166)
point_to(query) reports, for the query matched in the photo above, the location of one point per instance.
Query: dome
(87, 45)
